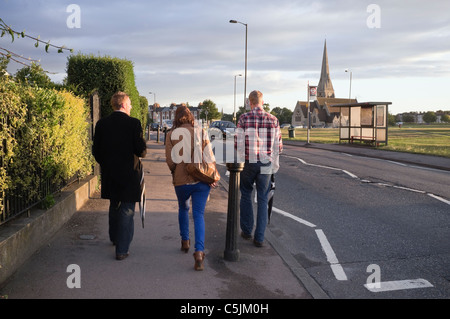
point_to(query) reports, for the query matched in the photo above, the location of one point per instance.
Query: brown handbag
(205, 171)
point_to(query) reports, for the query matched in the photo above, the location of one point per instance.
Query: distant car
(285, 125)
(221, 128)
(154, 126)
(166, 125)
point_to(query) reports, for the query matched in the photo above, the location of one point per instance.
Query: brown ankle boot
(185, 245)
(199, 256)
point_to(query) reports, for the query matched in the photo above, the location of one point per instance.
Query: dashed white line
(367, 181)
(349, 174)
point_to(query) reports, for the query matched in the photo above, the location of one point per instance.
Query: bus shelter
(364, 122)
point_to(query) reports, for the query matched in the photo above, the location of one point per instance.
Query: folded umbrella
(142, 202)
(271, 193)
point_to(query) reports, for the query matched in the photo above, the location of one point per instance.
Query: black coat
(118, 144)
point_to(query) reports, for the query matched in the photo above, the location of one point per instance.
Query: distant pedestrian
(179, 150)
(118, 145)
(259, 141)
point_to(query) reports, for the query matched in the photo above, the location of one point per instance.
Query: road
(363, 227)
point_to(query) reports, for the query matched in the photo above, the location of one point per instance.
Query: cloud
(187, 51)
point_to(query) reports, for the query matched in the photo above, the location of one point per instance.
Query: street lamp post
(246, 32)
(234, 114)
(350, 93)
(157, 116)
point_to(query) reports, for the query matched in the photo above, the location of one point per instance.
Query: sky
(186, 51)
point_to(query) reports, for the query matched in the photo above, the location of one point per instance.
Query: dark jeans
(121, 225)
(249, 175)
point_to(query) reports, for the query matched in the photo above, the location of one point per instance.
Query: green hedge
(89, 73)
(44, 134)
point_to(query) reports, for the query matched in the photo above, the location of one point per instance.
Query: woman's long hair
(183, 116)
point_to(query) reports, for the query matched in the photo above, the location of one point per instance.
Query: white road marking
(301, 221)
(398, 285)
(350, 174)
(440, 198)
(337, 269)
(367, 181)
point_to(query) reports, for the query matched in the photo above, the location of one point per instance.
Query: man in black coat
(118, 145)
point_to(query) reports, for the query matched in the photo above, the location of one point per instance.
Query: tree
(445, 118)
(241, 111)
(391, 119)
(209, 107)
(429, 117)
(408, 118)
(227, 117)
(284, 115)
(34, 75)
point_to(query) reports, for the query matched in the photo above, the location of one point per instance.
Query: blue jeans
(199, 193)
(249, 175)
(121, 225)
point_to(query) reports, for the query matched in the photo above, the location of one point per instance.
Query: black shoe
(257, 243)
(122, 257)
(245, 236)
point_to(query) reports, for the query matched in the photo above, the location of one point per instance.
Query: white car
(167, 124)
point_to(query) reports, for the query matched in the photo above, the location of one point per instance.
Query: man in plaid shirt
(258, 139)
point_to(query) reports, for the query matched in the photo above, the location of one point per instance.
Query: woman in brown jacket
(179, 140)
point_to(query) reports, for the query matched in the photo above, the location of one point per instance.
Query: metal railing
(19, 201)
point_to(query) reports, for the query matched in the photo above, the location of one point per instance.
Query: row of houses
(160, 114)
(415, 117)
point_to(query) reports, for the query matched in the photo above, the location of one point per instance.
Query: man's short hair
(118, 99)
(255, 97)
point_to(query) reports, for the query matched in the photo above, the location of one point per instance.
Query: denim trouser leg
(252, 174)
(199, 194)
(121, 225)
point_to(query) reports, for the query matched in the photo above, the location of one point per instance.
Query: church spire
(325, 87)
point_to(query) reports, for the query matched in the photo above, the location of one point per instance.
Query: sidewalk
(156, 268)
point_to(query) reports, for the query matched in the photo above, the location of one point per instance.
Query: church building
(322, 113)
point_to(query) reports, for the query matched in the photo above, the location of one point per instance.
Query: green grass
(412, 138)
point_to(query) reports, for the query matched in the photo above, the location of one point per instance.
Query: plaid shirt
(262, 135)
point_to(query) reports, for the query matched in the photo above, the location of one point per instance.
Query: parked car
(154, 126)
(285, 125)
(166, 125)
(221, 128)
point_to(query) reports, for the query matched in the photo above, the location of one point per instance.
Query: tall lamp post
(234, 114)
(157, 116)
(246, 32)
(350, 93)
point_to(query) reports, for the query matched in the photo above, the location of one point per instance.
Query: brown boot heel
(185, 244)
(199, 256)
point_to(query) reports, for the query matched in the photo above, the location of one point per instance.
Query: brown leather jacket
(177, 164)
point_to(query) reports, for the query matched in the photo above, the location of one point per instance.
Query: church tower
(325, 87)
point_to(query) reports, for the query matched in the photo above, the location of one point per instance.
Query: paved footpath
(156, 268)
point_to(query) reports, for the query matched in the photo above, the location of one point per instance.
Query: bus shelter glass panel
(344, 116)
(366, 116)
(367, 133)
(355, 131)
(355, 117)
(381, 115)
(381, 134)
